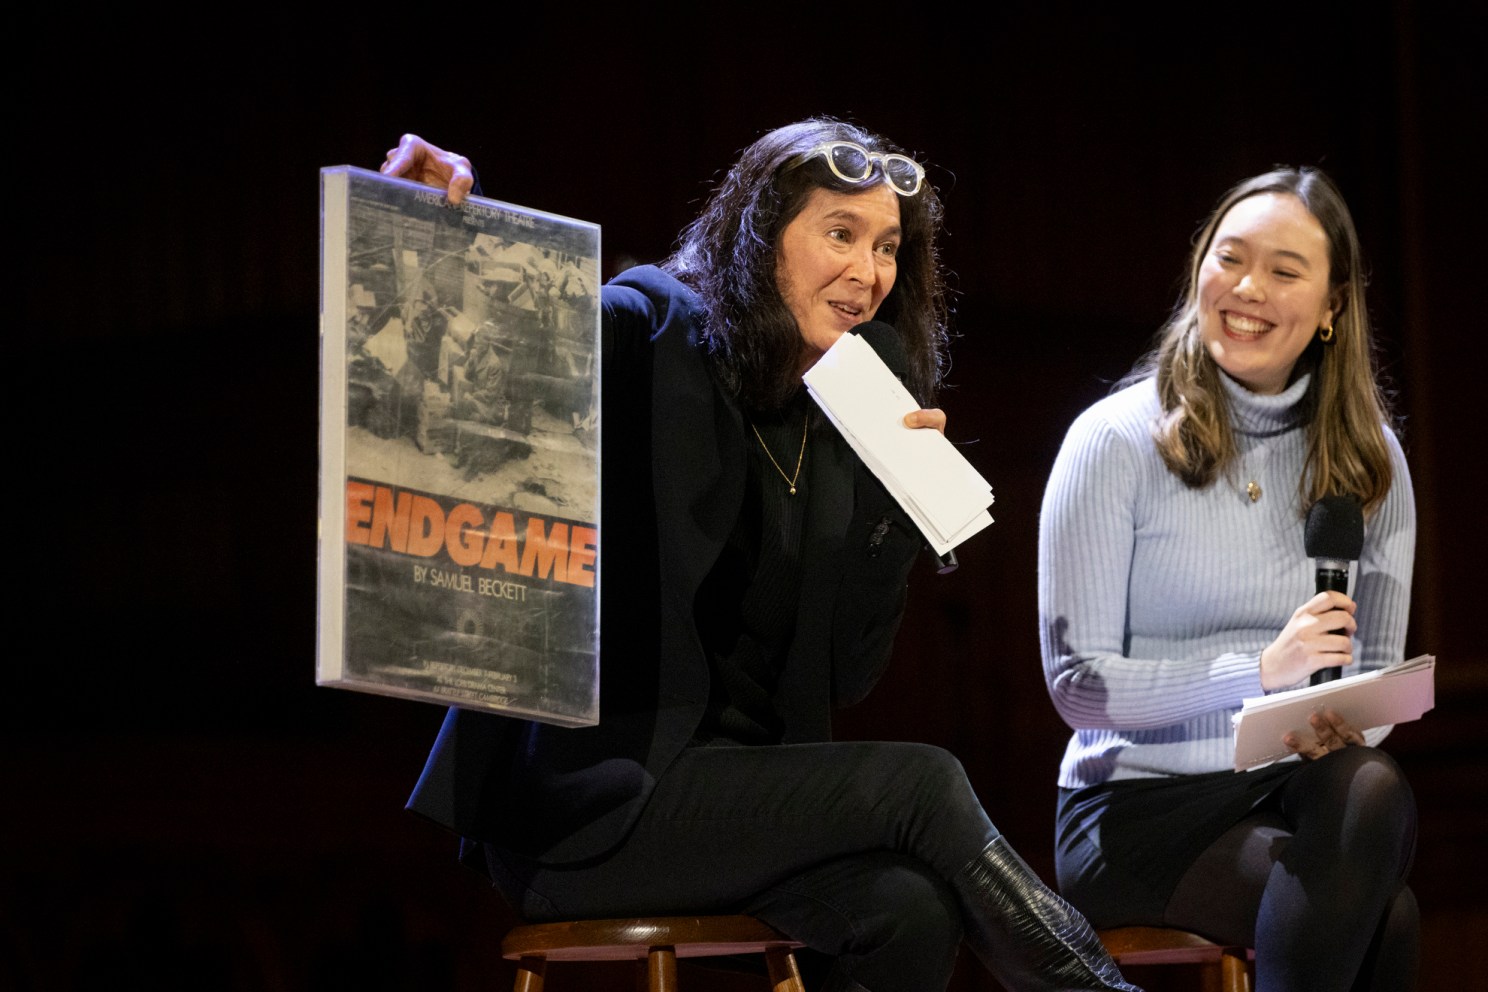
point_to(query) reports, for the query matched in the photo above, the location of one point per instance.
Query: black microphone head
(1335, 529)
(885, 340)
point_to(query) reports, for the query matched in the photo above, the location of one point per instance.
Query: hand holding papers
(1398, 694)
(945, 497)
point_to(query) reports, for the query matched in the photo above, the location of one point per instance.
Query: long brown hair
(1345, 408)
(728, 257)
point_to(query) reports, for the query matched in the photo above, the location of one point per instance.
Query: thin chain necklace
(790, 480)
(1261, 454)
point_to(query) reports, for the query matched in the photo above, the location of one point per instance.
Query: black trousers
(854, 848)
(1306, 862)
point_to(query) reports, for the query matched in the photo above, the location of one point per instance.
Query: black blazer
(672, 483)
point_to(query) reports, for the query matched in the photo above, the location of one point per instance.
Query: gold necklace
(1262, 454)
(790, 480)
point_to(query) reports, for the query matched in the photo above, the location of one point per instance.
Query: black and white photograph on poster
(460, 444)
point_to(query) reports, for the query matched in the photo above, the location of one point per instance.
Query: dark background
(184, 807)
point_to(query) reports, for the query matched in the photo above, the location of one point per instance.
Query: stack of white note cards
(942, 493)
(1398, 694)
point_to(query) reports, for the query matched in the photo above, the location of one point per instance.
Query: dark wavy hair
(1346, 408)
(727, 255)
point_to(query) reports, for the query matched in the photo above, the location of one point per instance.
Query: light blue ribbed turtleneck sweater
(1156, 600)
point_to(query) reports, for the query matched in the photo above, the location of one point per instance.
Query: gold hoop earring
(1325, 335)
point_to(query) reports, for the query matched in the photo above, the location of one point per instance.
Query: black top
(679, 504)
(746, 610)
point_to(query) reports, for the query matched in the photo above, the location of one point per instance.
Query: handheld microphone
(1334, 539)
(885, 341)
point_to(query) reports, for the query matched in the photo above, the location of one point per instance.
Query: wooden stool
(1226, 967)
(655, 941)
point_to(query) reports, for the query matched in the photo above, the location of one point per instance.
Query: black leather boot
(1029, 938)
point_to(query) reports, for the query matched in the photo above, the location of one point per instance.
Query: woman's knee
(934, 772)
(1377, 769)
(1365, 776)
(1363, 796)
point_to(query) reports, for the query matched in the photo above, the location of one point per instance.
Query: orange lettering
(389, 523)
(426, 528)
(581, 556)
(545, 553)
(358, 512)
(462, 534)
(501, 546)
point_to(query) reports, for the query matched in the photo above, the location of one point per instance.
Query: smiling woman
(1323, 321)
(1171, 568)
(1264, 290)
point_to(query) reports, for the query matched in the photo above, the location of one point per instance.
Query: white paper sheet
(1398, 694)
(945, 496)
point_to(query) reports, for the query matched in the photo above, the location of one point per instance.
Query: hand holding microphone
(1317, 638)
(1334, 539)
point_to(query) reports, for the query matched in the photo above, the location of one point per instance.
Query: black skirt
(1122, 847)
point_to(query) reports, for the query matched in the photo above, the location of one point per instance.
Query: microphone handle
(1329, 578)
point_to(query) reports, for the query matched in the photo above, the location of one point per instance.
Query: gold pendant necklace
(1260, 454)
(790, 480)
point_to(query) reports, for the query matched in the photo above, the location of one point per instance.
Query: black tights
(1314, 880)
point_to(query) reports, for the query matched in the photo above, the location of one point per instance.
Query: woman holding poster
(753, 575)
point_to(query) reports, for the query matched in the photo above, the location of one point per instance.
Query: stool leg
(661, 966)
(785, 974)
(1236, 971)
(530, 972)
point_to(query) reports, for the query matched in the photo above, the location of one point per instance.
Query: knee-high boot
(1026, 935)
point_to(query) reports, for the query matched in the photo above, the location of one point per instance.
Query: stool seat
(656, 941)
(1226, 967)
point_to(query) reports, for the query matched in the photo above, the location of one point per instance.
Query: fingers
(1329, 611)
(1330, 732)
(926, 418)
(1309, 751)
(1318, 635)
(1333, 730)
(1330, 600)
(1325, 628)
(423, 162)
(1328, 635)
(462, 179)
(400, 159)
